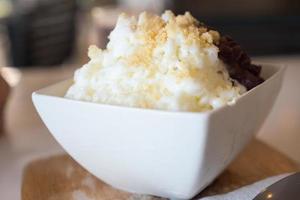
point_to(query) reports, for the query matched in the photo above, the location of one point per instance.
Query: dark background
(263, 27)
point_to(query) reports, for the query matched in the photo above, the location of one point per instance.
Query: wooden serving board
(61, 178)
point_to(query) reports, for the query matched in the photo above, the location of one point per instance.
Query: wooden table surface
(60, 177)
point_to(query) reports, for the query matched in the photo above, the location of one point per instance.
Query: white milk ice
(168, 63)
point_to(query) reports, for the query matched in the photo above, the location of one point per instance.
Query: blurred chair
(43, 33)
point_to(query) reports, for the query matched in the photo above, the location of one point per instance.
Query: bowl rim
(280, 69)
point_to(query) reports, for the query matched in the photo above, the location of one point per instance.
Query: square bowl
(161, 153)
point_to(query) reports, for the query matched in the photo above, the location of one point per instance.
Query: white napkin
(248, 192)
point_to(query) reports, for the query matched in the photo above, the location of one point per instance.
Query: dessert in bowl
(164, 109)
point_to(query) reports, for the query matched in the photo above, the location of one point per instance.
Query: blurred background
(47, 32)
(44, 41)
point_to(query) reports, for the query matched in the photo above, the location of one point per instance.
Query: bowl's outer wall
(141, 152)
(169, 154)
(230, 129)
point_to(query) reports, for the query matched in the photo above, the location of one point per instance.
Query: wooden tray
(60, 177)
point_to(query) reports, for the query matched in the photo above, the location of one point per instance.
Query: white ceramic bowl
(168, 154)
